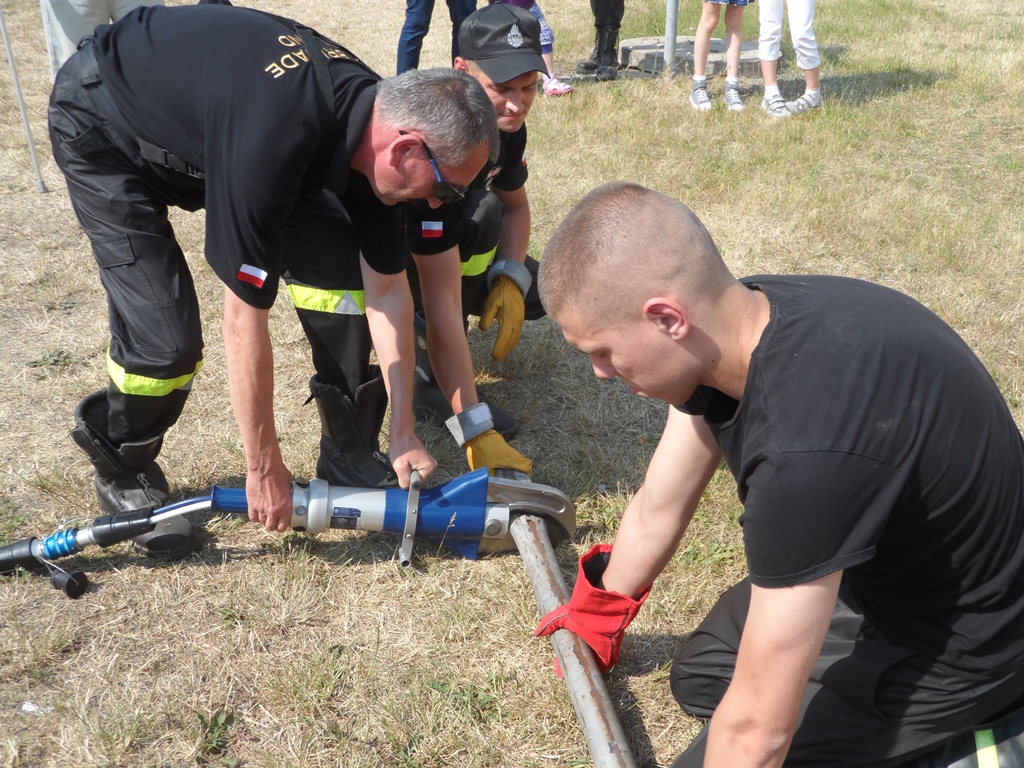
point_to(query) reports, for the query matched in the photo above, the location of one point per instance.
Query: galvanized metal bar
(589, 694)
(671, 30)
(40, 185)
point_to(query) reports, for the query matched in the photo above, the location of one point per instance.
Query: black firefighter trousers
(869, 702)
(156, 343)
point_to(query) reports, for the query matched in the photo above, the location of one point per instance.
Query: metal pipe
(589, 695)
(40, 186)
(671, 30)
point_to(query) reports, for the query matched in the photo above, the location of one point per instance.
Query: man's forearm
(515, 225)
(736, 741)
(250, 366)
(450, 359)
(250, 363)
(441, 288)
(389, 315)
(782, 638)
(659, 513)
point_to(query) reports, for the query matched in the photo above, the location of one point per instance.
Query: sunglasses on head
(442, 190)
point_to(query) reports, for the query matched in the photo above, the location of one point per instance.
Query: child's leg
(549, 62)
(734, 39)
(801, 24)
(709, 18)
(734, 44)
(769, 46)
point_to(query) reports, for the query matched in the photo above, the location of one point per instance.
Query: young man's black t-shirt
(232, 92)
(435, 230)
(871, 439)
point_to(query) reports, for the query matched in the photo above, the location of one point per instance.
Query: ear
(461, 64)
(400, 148)
(669, 316)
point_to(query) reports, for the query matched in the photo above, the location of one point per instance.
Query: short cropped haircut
(622, 242)
(450, 108)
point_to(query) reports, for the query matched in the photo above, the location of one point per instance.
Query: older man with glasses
(299, 153)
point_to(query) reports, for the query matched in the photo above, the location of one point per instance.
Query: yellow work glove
(489, 449)
(506, 305)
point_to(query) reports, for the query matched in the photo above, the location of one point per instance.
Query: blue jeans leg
(458, 10)
(417, 23)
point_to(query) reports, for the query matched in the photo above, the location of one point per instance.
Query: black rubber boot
(128, 479)
(589, 66)
(429, 401)
(350, 453)
(607, 53)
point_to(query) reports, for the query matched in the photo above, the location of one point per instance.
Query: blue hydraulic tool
(469, 515)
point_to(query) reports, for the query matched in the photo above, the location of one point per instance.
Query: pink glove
(597, 616)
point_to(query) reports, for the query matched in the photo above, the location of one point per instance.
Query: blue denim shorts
(731, 2)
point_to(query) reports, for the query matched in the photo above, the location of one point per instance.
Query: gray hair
(450, 108)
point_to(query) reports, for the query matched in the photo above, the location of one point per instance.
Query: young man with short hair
(882, 481)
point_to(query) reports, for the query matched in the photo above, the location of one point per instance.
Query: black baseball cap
(503, 40)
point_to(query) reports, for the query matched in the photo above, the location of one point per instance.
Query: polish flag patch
(252, 275)
(433, 229)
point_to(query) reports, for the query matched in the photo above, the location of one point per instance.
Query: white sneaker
(733, 100)
(775, 106)
(699, 98)
(803, 104)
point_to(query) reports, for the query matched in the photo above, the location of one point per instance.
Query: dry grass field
(269, 650)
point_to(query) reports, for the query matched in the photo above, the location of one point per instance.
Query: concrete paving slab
(647, 55)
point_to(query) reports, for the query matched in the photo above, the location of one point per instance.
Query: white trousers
(801, 26)
(66, 22)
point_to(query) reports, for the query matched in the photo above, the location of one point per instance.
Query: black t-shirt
(435, 230)
(231, 91)
(870, 438)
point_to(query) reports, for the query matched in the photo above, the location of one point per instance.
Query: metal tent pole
(589, 695)
(671, 29)
(40, 186)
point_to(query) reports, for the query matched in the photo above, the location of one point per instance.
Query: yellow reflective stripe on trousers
(988, 755)
(134, 384)
(478, 264)
(322, 300)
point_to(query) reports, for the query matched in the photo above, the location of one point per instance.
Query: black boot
(607, 53)
(128, 479)
(350, 453)
(429, 401)
(589, 66)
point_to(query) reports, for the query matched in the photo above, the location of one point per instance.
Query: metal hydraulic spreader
(469, 515)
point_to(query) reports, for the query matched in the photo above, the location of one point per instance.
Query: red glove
(598, 616)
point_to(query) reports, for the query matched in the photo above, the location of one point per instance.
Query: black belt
(159, 156)
(116, 125)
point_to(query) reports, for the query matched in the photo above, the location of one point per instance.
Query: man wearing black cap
(470, 256)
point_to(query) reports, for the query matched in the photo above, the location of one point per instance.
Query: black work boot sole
(173, 539)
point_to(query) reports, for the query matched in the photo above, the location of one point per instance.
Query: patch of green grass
(56, 357)
(213, 734)
(11, 520)
(477, 704)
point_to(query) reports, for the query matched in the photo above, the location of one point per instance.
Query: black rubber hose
(18, 555)
(110, 529)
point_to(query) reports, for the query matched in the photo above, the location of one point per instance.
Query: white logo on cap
(515, 37)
